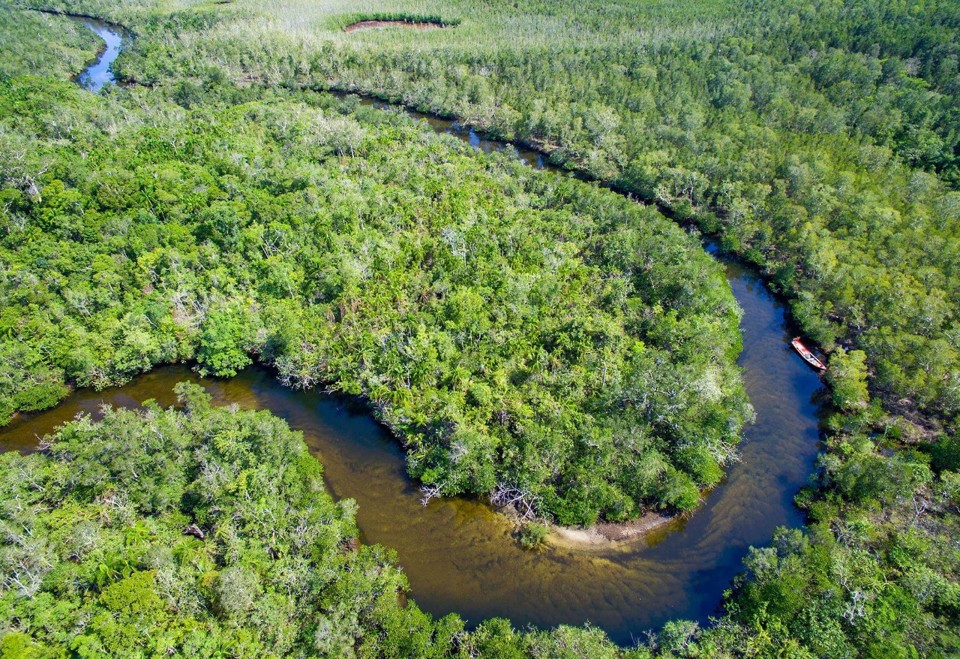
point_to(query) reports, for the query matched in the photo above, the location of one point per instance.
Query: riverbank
(608, 535)
(97, 72)
(809, 594)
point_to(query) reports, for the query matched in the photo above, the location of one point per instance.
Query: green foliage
(35, 43)
(497, 638)
(17, 645)
(866, 578)
(514, 329)
(820, 141)
(519, 333)
(95, 560)
(945, 453)
(222, 340)
(847, 376)
(572, 643)
(532, 535)
(28, 381)
(98, 533)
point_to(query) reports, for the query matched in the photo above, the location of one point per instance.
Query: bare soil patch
(378, 25)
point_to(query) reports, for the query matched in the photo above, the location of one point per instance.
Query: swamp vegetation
(818, 140)
(516, 331)
(519, 333)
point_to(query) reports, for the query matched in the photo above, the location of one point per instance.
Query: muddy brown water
(459, 555)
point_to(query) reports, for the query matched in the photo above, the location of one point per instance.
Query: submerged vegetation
(519, 332)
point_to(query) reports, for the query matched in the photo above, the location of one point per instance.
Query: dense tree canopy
(96, 560)
(39, 43)
(820, 140)
(194, 533)
(100, 554)
(517, 331)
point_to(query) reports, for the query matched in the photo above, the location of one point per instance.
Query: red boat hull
(808, 355)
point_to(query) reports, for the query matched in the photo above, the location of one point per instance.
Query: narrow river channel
(98, 74)
(458, 554)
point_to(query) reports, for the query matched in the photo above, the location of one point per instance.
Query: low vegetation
(29, 45)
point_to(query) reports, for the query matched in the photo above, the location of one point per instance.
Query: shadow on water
(458, 554)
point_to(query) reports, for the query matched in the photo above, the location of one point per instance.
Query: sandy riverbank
(606, 534)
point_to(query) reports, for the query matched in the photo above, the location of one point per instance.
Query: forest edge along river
(459, 554)
(98, 73)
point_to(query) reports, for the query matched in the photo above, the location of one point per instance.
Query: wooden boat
(808, 355)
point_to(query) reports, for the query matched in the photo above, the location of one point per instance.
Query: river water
(98, 74)
(458, 553)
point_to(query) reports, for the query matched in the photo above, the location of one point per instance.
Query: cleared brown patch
(377, 25)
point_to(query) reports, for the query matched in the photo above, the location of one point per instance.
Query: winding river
(458, 554)
(98, 74)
